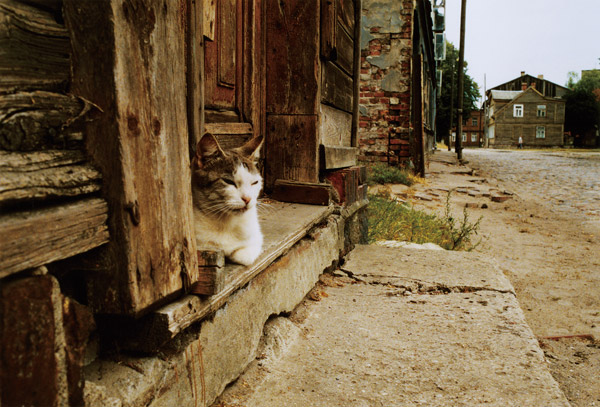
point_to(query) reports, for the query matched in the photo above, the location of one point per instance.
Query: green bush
(392, 220)
(385, 174)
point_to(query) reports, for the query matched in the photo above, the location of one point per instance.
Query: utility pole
(461, 62)
(451, 107)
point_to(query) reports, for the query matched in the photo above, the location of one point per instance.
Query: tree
(471, 92)
(582, 108)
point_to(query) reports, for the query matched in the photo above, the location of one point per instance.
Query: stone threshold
(283, 225)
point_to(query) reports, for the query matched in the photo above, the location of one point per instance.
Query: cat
(225, 190)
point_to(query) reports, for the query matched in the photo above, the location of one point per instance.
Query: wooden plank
(41, 120)
(345, 15)
(292, 52)
(34, 47)
(228, 128)
(198, 12)
(328, 22)
(46, 235)
(337, 87)
(291, 149)
(333, 157)
(45, 174)
(211, 270)
(302, 192)
(356, 74)
(165, 323)
(209, 9)
(345, 50)
(140, 144)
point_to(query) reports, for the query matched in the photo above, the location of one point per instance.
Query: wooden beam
(302, 192)
(34, 47)
(45, 174)
(211, 268)
(41, 120)
(34, 238)
(333, 157)
(137, 75)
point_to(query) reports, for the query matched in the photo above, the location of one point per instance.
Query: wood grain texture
(140, 144)
(291, 149)
(333, 157)
(34, 238)
(34, 47)
(302, 192)
(41, 120)
(337, 87)
(292, 52)
(45, 174)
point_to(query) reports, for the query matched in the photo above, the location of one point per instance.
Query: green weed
(386, 174)
(392, 220)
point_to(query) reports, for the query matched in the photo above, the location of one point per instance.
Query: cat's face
(225, 182)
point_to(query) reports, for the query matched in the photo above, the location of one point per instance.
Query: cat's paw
(245, 256)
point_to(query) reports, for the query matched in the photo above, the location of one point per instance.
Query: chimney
(522, 73)
(540, 76)
(523, 85)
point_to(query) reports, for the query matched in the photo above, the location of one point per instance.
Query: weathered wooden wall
(509, 128)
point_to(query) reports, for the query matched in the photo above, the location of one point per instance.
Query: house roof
(529, 78)
(505, 94)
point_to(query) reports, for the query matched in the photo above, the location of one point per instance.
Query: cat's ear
(252, 148)
(207, 148)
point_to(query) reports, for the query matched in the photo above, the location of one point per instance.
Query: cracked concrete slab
(375, 345)
(455, 271)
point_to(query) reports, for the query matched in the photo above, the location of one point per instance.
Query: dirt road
(546, 237)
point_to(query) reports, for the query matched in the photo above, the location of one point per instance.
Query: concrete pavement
(402, 327)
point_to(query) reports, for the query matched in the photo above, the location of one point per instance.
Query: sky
(547, 37)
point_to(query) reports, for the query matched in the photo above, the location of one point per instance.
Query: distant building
(538, 119)
(472, 131)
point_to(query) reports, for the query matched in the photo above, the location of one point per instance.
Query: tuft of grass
(385, 174)
(391, 220)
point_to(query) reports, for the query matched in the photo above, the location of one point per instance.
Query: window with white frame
(540, 132)
(491, 132)
(473, 137)
(541, 111)
(518, 110)
(453, 136)
(464, 137)
(474, 121)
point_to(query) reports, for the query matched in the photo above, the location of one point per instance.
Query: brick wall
(385, 77)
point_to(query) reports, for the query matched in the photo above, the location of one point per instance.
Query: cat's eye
(254, 183)
(228, 181)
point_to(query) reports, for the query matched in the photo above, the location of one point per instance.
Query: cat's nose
(246, 200)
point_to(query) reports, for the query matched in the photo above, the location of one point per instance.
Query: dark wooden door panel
(222, 58)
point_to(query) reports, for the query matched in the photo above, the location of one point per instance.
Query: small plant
(392, 220)
(460, 232)
(386, 174)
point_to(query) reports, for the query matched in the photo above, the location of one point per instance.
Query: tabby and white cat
(225, 189)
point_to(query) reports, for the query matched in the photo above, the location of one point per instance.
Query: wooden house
(101, 105)
(537, 119)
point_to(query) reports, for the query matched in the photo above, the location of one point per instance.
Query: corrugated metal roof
(505, 94)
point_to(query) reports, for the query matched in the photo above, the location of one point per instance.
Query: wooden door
(229, 54)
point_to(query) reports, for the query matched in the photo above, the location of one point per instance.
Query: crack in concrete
(420, 286)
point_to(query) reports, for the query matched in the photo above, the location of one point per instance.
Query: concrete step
(403, 327)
